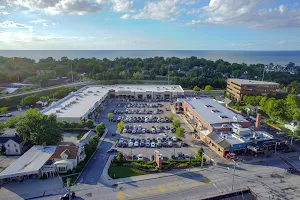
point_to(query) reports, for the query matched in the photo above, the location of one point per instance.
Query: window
(7, 145)
(17, 150)
(15, 145)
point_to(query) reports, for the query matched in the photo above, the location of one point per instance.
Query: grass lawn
(123, 171)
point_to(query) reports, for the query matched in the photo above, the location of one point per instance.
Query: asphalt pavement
(92, 173)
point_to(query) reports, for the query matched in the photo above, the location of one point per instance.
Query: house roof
(71, 151)
(251, 82)
(30, 162)
(87, 136)
(10, 134)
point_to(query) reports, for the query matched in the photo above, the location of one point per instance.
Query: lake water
(249, 57)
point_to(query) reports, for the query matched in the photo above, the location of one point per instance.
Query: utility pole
(233, 174)
(263, 74)
(292, 138)
(202, 159)
(275, 147)
(69, 188)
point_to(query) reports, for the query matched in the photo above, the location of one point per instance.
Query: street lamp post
(202, 159)
(233, 174)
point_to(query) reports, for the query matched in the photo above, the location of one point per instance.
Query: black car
(66, 196)
(113, 134)
(292, 170)
(180, 155)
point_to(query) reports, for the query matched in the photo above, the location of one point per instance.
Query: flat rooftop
(213, 112)
(251, 82)
(30, 162)
(77, 104)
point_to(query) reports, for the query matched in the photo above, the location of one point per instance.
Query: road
(93, 171)
(267, 179)
(44, 89)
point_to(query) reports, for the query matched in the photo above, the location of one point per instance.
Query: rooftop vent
(215, 111)
(208, 106)
(223, 117)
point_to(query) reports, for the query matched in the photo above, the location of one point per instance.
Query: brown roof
(71, 151)
(1, 89)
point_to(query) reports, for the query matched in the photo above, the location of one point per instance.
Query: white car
(136, 144)
(170, 143)
(134, 130)
(174, 139)
(130, 144)
(121, 140)
(153, 145)
(153, 130)
(143, 130)
(140, 157)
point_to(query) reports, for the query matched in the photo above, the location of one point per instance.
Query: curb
(99, 143)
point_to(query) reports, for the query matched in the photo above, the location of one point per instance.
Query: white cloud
(123, 6)
(45, 24)
(126, 16)
(11, 24)
(281, 42)
(246, 12)
(107, 38)
(2, 7)
(158, 10)
(194, 11)
(188, 2)
(4, 13)
(38, 21)
(53, 7)
(53, 23)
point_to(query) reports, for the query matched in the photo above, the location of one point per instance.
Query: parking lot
(148, 128)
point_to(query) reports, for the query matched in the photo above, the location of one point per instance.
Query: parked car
(140, 157)
(174, 139)
(130, 144)
(153, 144)
(112, 150)
(136, 144)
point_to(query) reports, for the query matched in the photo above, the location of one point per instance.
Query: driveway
(92, 173)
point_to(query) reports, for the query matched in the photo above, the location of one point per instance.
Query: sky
(150, 24)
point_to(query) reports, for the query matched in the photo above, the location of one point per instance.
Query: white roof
(77, 104)
(213, 112)
(30, 162)
(251, 82)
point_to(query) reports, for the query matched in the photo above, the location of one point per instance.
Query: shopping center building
(78, 105)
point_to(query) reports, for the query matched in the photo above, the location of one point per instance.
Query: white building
(32, 164)
(11, 143)
(78, 105)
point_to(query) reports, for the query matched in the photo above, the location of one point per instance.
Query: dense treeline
(188, 72)
(283, 110)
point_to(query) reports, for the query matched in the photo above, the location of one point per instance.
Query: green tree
(208, 88)
(110, 116)
(39, 128)
(90, 123)
(136, 75)
(200, 153)
(180, 132)
(29, 100)
(100, 128)
(120, 157)
(176, 124)
(171, 117)
(3, 110)
(196, 89)
(121, 126)
(2, 126)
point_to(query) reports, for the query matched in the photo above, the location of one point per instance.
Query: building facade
(237, 88)
(11, 143)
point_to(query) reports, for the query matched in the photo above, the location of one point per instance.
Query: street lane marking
(121, 195)
(142, 194)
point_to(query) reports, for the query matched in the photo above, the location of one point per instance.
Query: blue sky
(150, 24)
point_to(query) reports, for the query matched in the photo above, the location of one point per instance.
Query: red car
(128, 157)
(231, 156)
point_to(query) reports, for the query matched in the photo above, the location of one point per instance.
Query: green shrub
(69, 171)
(182, 165)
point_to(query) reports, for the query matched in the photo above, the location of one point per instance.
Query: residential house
(67, 157)
(11, 143)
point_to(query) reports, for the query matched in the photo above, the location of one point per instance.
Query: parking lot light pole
(131, 153)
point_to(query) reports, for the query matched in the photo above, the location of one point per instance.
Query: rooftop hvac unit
(235, 118)
(77, 99)
(98, 91)
(90, 91)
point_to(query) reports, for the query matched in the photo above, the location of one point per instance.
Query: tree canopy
(39, 128)
(100, 128)
(176, 124)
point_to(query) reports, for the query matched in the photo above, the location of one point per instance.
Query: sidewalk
(105, 178)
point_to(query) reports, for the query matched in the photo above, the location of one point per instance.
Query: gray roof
(30, 162)
(211, 111)
(87, 136)
(251, 82)
(10, 134)
(219, 140)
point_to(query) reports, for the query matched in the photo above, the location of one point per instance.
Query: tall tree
(39, 128)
